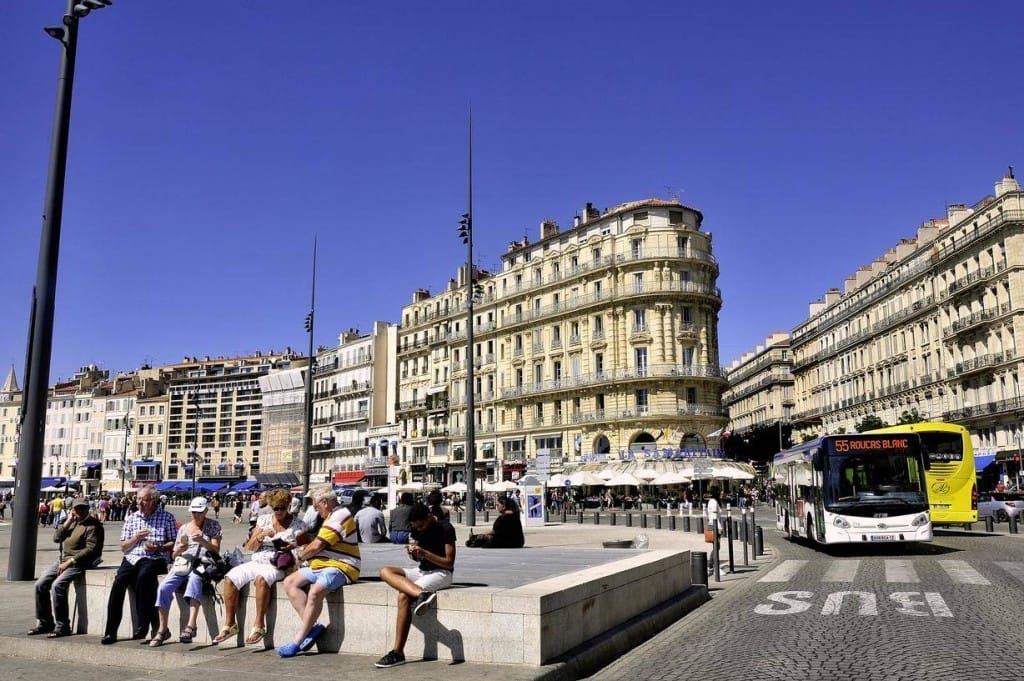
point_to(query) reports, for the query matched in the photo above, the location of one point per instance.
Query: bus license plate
(941, 505)
(883, 537)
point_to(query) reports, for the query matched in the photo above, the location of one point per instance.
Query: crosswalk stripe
(901, 571)
(786, 570)
(1016, 570)
(841, 571)
(961, 571)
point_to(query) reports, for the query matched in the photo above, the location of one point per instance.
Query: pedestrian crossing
(894, 571)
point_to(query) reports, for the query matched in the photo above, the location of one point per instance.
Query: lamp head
(56, 32)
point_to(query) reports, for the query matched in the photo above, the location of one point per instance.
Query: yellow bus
(951, 479)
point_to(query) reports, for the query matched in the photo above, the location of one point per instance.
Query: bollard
(565, 516)
(716, 552)
(629, 520)
(758, 542)
(700, 525)
(1013, 524)
(597, 518)
(686, 523)
(729, 535)
(579, 518)
(672, 522)
(657, 522)
(699, 567)
(643, 520)
(487, 517)
(460, 518)
(989, 525)
(746, 540)
(614, 520)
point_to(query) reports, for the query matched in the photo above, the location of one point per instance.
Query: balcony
(658, 371)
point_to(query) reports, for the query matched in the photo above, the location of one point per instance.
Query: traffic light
(309, 323)
(478, 291)
(465, 227)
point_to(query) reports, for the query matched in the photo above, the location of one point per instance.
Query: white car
(1000, 505)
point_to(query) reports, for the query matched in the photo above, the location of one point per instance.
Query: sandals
(226, 633)
(187, 634)
(255, 636)
(159, 638)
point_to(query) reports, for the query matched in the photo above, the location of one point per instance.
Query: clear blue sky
(210, 141)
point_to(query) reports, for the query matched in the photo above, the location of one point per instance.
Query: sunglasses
(280, 508)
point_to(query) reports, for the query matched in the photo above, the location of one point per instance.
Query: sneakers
(423, 601)
(392, 659)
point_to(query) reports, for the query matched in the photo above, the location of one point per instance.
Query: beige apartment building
(935, 325)
(354, 397)
(761, 387)
(596, 343)
(10, 420)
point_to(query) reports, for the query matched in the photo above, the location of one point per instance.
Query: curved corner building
(591, 344)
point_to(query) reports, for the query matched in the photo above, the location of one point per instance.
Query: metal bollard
(629, 520)
(686, 523)
(729, 536)
(459, 518)
(989, 525)
(487, 516)
(758, 542)
(579, 518)
(746, 540)
(700, 525)
(565, 516)
(614, 520)
(699, 567)
(657, 522)
(1013, 524)
(643, 520)
(672, 522)
(597, 518)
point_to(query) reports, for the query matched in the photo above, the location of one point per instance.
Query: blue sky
(211, 141)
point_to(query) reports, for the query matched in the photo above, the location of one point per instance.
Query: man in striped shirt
(333, 562)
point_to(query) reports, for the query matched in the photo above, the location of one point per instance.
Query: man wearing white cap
(81, 540)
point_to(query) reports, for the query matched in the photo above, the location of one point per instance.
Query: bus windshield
(874, 484)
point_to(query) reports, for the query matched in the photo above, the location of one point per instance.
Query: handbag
(182, 566)
(284, 559)
(709, 535)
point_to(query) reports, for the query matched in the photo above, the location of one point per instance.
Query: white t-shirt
(265, 553)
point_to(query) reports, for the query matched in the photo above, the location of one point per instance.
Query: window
(640, 358)
(639, 216)
(596, 255)
(599, 364)
(638, 282)
(675, 217)
(687, 315)
(599, 401)
(639, 319)
(641, 398)
(691, 396)
(598, 326)
(636, 248)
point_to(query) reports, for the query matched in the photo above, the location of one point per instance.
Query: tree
(869, 422)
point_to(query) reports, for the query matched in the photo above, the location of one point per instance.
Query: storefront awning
(348, 477)
(243, 486)
(277, 479)
(145, 464)
(980, 462)
(433, 390)
(93, 464)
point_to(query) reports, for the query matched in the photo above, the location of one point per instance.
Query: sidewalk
(178, 661)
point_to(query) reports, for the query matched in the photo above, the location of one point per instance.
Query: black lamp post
(466, 234)
(22, 558)
(193, 455)
(124, 456)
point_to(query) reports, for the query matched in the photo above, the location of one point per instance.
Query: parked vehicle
(1000, 505)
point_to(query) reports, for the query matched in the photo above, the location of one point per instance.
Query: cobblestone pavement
(949, 610)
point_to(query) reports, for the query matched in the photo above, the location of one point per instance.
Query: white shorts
(429, 580)
(247, 572)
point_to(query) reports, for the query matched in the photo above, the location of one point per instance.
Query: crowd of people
(311, 554)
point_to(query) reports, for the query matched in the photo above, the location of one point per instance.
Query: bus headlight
(842, 522)
(920, 520)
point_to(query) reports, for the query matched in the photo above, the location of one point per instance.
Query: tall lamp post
(472, 288)
(124, 455)
(193, 455)
(22, 558)
(307, 453)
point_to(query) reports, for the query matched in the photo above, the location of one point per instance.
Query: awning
(165, 486)
(436, 389)
(277, 479)
(145, 464)
(51, 482)
(93, 464)
(243, 486)
(348, 477)
(210, 486)
(980, 462)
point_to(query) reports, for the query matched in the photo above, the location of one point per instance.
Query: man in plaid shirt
(146, 540)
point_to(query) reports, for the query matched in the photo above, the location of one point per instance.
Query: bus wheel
(810, 528)
(1001, 516)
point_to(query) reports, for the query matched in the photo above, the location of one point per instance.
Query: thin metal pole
(22, 558)
(470, 402)
(195, 444)
(124, 456)
(311, 369)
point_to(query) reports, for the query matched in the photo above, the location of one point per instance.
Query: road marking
(1016, 570)
(834, 602)
(900, 571)
(784, 572)
(960, 571)
(842, 571)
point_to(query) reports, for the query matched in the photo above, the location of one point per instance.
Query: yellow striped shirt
(342, 544)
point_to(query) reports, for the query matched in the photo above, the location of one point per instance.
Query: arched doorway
(602, 445)
(643, 442)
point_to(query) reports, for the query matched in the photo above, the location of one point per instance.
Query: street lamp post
(466, 233)
(124, 455)
(307, 453)
(22, 557)
(193, 455)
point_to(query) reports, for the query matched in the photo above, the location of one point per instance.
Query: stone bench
(533, 624)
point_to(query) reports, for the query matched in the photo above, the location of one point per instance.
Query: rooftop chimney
(548, 228)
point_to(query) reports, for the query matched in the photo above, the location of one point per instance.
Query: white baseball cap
(198, 505)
